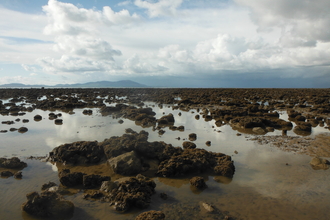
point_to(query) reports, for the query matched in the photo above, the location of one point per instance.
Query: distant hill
(99, 84)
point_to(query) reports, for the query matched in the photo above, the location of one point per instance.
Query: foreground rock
(47, 204)
(198, 182)
(134, 192)
(151, 215)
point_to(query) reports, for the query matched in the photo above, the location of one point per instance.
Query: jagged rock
(47, 204)
(48, 185)
(166, 119)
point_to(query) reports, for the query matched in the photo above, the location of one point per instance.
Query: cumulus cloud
(160, 8)
(76, 34)
(302, 22)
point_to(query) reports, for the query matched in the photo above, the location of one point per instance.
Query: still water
(268, 183)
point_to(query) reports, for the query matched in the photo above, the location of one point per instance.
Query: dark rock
(6, 173)
(151, 215)
(196, 161)
(37, 118)
(71, 179)
(108, 186)
(198, 182)
(188, 145)
(192, 137)
(166, 119)
(47, 204)
(58, 121)
(163, 196)
(22, 130)
(208, 143)
(18, 175)
(81, 152)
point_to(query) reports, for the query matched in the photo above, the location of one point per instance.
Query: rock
(108, 186)
(208, 143)
(196, 161)
(12, 163)
(151, 215)
(47, 204)
(126, 164)
(37, 118)
(188, 145)
(319, 163)
(18, 175)
(6, 173)
(94, 181)
(163, 196)
(48, 185)
(58, 121)
(259, 130)
(22, 130)
(166, 119)
(192, 137)
(81, 152)
(71, 179)
(207, 207)
(133, 192)
(198, 182)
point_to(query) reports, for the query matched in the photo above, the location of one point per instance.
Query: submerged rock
(198, 182)
(319, 163)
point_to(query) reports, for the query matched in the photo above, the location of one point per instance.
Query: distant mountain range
(99, 84)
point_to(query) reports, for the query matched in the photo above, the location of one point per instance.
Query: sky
(167, 43)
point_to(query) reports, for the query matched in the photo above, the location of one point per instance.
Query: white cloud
(305, 21)
(160, 8)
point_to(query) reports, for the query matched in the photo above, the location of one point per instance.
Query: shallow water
(263, 187)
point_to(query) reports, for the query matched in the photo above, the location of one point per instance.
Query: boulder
(192, 137)
(47, 204)
(126, 164)
(319, 163)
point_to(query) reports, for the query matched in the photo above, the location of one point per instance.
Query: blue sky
(178, 43)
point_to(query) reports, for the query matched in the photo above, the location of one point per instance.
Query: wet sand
(273, 178)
